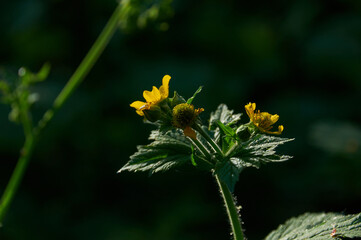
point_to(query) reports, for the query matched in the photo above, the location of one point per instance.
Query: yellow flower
(152, 98)
(263, 120)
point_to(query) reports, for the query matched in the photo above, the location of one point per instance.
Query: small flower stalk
(168, 112)
(224, 148)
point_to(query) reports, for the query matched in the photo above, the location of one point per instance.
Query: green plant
(224, 148)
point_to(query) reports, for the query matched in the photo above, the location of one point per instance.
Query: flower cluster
(158, 107)
(174, 111)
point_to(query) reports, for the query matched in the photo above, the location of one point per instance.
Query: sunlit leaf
(167, 150)
(319, 226)
(224, 115)
(259, 149)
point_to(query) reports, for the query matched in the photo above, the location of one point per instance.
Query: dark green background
(300, 59)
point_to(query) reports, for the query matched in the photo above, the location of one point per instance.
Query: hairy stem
(201, 148)
(32, 134)
(231, 208)
(209, 139)
(232, 211)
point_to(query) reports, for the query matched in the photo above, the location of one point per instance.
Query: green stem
(231, 150)
(231, 210)
(209, 139)
(201, 148)
(205, 152)
(26, 119)
(226, 194)
(16, 176)
(32, 134)
(85, 66)
(22, 163)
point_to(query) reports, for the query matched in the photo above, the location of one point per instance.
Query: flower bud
(183, 115)
(153, 114)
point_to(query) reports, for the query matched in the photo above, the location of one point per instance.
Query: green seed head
(183, 115)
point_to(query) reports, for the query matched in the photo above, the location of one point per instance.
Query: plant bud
(184, 115)
(153, 114)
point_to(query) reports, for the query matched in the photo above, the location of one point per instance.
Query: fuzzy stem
(205, 152)
(209, 139)
(32, 134)
(231, 208)
(231, 150)
(201, 148)
(232, 211)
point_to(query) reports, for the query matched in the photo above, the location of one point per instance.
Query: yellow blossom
(263, 120)
(152, 98)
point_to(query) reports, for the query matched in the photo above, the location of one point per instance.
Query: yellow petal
(274, 118)
(280, 130)
(138, 104)
(189, 132)
(198, 111)
(250, 107)
(164, 89)
(140, 112)
(153, 96)
(265, 115)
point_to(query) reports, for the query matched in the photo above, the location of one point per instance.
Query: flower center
(183, 115)
(263, 120)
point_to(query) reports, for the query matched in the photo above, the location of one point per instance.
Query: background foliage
(300, 59)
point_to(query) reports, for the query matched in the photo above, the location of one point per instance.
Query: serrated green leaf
(319, 226)
(166, 151)
(190, 100)
(224, 115)
(229, 171)
(259, 149)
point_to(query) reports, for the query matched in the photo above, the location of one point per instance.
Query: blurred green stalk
(32, 134)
